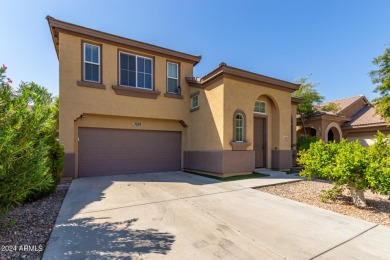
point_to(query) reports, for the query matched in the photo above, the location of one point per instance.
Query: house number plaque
(137, 124)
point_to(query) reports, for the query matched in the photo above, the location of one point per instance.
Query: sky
(333, 42)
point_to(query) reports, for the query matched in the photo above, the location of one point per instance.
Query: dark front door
(260, 141)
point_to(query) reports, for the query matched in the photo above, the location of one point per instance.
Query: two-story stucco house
(132, 107)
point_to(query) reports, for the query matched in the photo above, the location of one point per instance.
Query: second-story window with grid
(91, 62)
(195, 102)
(135, 71)
(172, 78)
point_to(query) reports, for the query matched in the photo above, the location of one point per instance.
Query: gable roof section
(61, 26)
(223, 69)
(344, 104)
(365, 117)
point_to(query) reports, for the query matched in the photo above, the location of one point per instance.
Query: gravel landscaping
(377, 211)
(27, 238)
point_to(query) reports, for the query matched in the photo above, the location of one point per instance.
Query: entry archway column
(329, 127)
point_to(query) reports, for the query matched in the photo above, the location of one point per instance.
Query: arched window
(239, 142)
(239, 127)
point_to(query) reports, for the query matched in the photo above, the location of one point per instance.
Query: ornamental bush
(350, 165)
(304, 143)
(378, 170)
(31, 158)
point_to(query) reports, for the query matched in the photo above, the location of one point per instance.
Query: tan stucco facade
(365, 135)
(242, 95)
(206, 132)
(118, 111)
(207, 123)
(322, 127)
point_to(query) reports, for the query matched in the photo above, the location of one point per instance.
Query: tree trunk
(303, 126)
(357, 197)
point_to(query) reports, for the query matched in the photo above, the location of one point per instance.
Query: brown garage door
(114, 151)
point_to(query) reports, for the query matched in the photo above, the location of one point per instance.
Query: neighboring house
(128, 106)
(356, 120)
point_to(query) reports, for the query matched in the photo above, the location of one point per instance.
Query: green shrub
(304, 143)
(378, 170)
(351, 165)
(31, 158)
(331, 195)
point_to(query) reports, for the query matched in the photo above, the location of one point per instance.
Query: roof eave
(261, 78)
(55, 24)
(366, 126)
(223, 69)
(296, 101)
(49, 19)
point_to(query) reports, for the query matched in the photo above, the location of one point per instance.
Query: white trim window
(91, 62)
(195, 101)
(259, 107)
(135, 71)
(172, 78)
(239, 121)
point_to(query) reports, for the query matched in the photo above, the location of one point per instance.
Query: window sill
(172, 95)
(194, 109)
(239, 146)
(82, 83)
(134, 92)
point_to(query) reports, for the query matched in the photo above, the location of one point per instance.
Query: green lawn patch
(233, 178)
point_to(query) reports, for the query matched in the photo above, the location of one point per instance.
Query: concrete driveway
(177, 215)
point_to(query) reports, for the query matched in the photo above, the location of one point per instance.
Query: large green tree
(381, 78)
(310, 97)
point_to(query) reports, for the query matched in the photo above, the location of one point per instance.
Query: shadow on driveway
(92, 238)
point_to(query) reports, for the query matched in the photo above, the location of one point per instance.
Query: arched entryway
(265, 130)
(333, 133)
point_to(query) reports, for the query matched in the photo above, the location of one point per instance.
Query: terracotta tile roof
(342, 103)
(365, 116)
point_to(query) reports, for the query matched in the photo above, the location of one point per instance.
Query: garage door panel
(112, 151)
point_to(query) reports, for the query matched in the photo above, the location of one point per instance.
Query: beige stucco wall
(76, 100)
(241, 94)
(321, 125)
(207, 124)
(363, 140)
(365, 135)
(209, 129)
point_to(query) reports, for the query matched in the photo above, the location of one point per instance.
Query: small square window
(195, 102)
(259, 107)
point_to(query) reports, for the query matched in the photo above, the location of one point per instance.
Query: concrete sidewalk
(178, 215)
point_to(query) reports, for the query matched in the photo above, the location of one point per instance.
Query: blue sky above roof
(333, 41)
